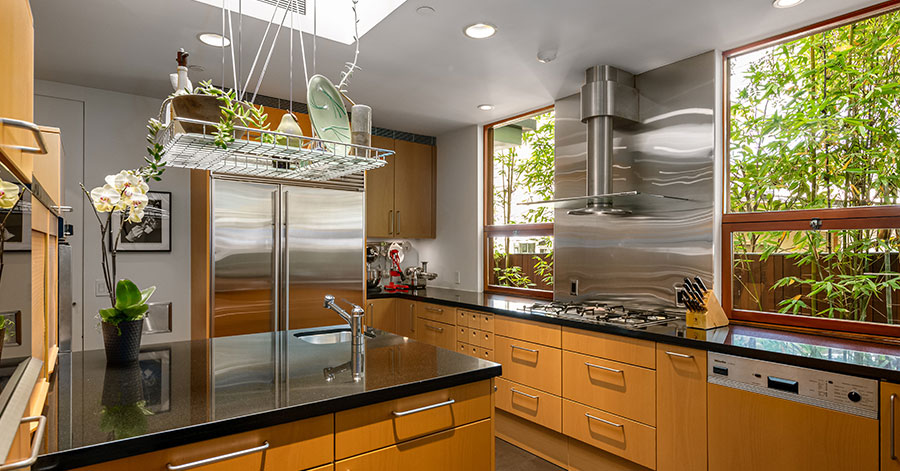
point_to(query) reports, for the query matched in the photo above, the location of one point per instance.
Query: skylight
(334, 20)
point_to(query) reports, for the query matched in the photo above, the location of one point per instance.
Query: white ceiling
(419, 74)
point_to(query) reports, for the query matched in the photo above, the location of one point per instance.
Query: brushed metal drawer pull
(598, 419)
(523, 394)
(434, 309)
(524, 349)
(217, 459)
(679, 355)
(35, 444)
(38, 138)
(439, 330)
(591, 365)
(893, 446)
(423, 409)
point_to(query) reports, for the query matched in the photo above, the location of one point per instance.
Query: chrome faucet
(357, 334)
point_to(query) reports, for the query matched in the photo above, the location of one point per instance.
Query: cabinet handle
(516, 347)
(439, 330)
(893, 446)
(679, 355)
(423, 409)
(35, 444)
(397, 222)
(412, 318)
(598, 419)
(371, 315)
(217, 459)
(434, 309)
(605, 368)
(523, 394)
(38, 138)
(391, 221)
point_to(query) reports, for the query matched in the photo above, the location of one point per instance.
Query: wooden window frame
(510, 230)
(873, 217)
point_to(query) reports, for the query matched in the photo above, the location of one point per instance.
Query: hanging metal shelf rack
(294, 158)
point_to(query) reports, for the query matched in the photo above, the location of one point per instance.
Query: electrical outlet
(573, 287)
(458, 281)
(100, 290)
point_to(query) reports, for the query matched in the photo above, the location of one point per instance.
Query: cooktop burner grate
(597, 312)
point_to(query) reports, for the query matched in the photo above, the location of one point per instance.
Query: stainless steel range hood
(608, 98)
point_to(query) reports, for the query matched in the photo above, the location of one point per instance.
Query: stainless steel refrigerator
(277, 249)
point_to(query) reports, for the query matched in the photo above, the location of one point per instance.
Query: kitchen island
(289, 402)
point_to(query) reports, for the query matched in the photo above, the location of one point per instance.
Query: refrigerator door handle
(286, 261)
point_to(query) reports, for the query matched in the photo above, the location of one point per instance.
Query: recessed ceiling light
(480, 30)
(786, 3)
(213, 39)
(485, 107)
(425, 11)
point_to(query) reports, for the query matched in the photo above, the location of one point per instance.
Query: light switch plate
(100, 290)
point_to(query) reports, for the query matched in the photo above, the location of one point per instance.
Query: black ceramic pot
(122, 342)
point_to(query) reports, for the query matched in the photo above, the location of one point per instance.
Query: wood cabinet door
(405, 318)
(468, 448)
(436, 333)
(380, 314)
(414, 190)
(17, 83)
(681, 408)
(890, 432)
(380, 193)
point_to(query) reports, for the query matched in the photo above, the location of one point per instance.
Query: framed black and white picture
(154, 232)
(156, 376)
(16, 231)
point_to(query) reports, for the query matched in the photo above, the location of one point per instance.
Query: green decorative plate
(327, 113)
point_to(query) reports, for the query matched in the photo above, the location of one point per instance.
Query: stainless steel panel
(243, 244)
(65, 297)
(640, 259)
(324, 252)
(158, 319)
(850, 394)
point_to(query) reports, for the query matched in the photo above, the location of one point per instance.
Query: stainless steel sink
(328, 338)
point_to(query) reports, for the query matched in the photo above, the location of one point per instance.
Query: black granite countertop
(839, 355)
(184, 392)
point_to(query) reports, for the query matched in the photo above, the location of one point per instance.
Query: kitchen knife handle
(893, 446)
(700, 284)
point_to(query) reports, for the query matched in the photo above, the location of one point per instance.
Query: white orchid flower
(136, 207)
(105, 198)
(9, 194)
(124, 180)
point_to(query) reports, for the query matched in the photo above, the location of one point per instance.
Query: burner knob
(854, 396)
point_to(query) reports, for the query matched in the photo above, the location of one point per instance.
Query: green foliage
(155, 166)
(512, 276)
(815, 123)
(124, 421)
(234, 110)
(131, 303)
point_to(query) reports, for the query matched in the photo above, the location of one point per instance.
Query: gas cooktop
(596, 312)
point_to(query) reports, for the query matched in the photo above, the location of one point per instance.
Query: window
(812, 226)
(518, 240)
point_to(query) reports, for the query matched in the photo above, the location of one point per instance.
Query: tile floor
(513, 458)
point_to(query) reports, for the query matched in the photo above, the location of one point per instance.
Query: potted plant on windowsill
(126, 194)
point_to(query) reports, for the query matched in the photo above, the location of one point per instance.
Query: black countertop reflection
(184, 392)
(859, 358)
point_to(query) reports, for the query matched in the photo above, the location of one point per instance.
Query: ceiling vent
(295, 6)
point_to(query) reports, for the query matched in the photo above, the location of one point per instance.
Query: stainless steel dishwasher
(765, 415)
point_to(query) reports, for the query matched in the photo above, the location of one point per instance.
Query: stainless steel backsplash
(642, 258)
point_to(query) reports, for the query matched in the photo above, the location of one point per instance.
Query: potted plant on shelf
(126, 194)
(10, 194)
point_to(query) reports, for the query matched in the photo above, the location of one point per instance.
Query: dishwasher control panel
(850, 394)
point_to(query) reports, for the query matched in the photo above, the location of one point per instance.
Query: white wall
(458, 246)
(110, 137)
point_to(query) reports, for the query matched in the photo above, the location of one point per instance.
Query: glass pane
(841, 274)
(522, 262)
(814, 122)
(523, 169)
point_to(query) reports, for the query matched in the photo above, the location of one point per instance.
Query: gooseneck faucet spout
(357, 334)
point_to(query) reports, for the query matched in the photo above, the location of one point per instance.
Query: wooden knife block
(713, 317)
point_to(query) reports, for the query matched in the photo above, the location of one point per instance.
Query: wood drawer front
(436, 333)
(462, 348)
(481, 338)
(631, 440)
(530, 331)
(462, 318)
(486, 354)
(537, 406)
(625, 390)
(298, 445)
(462, 334)
(476, 320)
(486, 321)
(612, 347)
(375, 426)
(436, 312)
(467, 448)
(537, 366)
